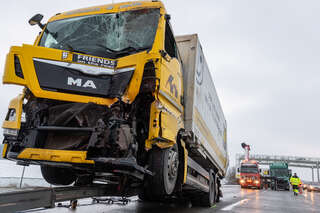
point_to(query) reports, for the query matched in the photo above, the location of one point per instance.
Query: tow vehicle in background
(110, 95)
(250, 175)
(249, 171)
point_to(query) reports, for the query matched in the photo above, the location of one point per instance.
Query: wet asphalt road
(234, 200)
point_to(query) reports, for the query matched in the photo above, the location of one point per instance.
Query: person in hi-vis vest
(295, 182)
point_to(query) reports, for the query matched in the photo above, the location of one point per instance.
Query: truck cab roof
(278, 165)
(108, 8)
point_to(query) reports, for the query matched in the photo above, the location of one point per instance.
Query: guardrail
(47, 197)
(288, 159)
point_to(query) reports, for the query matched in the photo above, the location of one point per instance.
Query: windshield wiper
(106, 48)
(130, 49)
(70, 48)
(116, 53)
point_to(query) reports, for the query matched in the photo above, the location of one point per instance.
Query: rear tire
(58, 176)
(210, 198)
(219, 192)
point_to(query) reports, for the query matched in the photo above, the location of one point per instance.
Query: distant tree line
(231, 176)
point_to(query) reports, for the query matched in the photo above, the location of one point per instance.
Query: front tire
(58, 176)
(164, 164)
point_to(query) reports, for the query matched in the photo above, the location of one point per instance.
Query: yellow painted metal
(163, 127)
(171, 79)
(169, 126)
(168, 94)
(66, 156)
(4, 150)
(108, 8)
(9, 75)
(185, 152)
(154, 127)
(167, 70)
(26, 53)
(164, 145)
(225, 135)
(225, 141)
(16, 104)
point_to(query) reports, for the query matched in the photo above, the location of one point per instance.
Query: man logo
(65, 55)
(78, 82)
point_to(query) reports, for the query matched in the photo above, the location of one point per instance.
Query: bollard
(22, 177)
(318, 172)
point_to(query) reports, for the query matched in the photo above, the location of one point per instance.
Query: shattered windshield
(279, 172)
(105, 35)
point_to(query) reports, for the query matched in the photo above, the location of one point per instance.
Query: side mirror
(36, 19)
(167, 17)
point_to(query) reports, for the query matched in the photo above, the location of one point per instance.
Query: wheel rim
(171, 173)
(173, 164)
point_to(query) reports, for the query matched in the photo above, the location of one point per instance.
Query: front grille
(61, 79)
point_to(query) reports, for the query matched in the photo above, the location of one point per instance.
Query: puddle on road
(230, 207)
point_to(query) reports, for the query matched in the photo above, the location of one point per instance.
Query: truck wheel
(210, 198)
(164, 164)
(219, 192)
(58, 176)
(213, 194)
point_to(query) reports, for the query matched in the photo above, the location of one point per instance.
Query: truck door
(171, 89)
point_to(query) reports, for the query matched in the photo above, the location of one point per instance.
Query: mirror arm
(41, 25)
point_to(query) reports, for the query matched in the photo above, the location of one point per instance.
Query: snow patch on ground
(10, 175)
(11, 169)
(26, 182)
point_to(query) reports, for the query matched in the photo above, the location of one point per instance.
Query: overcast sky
(263, 55)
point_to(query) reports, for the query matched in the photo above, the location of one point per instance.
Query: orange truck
(249, 171)
(250, 174)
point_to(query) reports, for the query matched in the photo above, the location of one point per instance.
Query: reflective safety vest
(295, 181)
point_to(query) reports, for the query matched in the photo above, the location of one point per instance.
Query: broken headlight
(10, 132)
(11, 116)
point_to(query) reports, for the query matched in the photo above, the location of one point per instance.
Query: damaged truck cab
(103, 100)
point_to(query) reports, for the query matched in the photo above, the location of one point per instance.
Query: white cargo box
(203, 113)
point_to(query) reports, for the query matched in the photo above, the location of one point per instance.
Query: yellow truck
(110, 95)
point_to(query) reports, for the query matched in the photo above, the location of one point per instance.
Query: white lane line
(228, 208)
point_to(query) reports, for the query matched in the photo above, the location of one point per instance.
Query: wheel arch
(183, 159)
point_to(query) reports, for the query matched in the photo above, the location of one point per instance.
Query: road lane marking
(228, 208)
